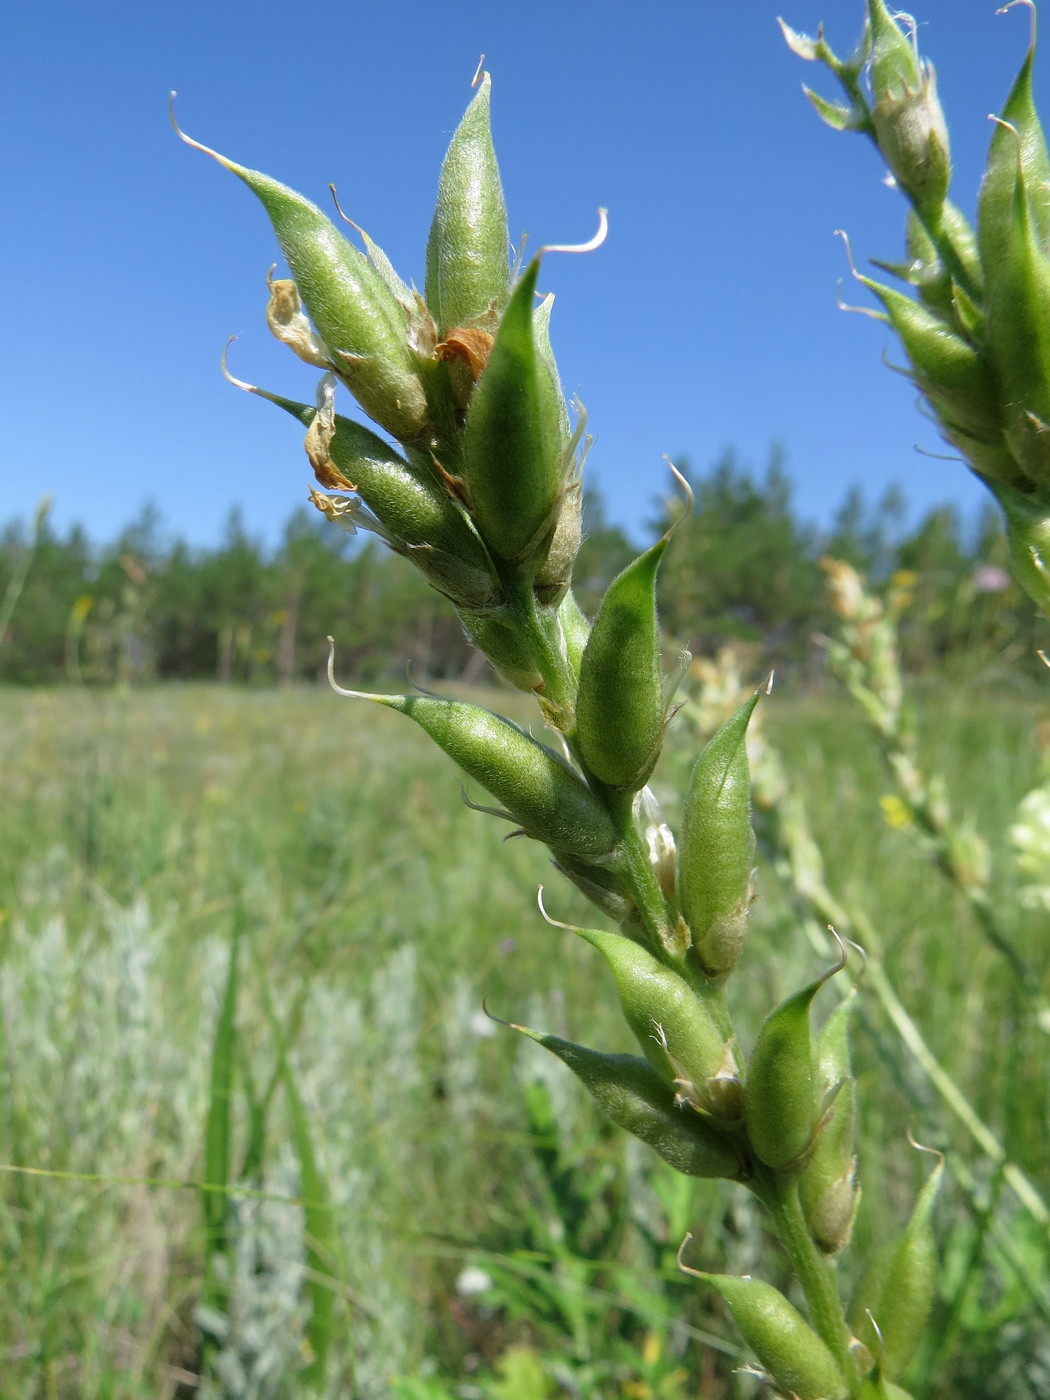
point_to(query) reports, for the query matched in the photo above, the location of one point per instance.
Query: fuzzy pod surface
(781, 1098)
(467, 249)
(619, 705)
(630, 1092)
(673, 1026)
(512, 454)
(717, 846)
(538, 789)
(796, 1358)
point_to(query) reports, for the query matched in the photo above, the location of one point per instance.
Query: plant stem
(779, 1194)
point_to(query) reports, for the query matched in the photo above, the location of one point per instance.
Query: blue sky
(708, 319)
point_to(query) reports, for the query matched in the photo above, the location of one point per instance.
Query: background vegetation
(744, 567)
(470, 1227)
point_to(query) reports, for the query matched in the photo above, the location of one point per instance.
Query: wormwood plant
(483, 496)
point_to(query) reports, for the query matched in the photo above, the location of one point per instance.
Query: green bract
(717, 847)
(467, 270)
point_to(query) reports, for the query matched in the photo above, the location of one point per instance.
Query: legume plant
(482, 494)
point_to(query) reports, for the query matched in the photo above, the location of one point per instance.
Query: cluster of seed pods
(975, 319)
(482, 494)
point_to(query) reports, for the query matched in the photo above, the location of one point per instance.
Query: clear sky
(708, 319)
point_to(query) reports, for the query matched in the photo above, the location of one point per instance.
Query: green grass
(375, 911)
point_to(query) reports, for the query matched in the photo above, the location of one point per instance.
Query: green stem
(779, 1194)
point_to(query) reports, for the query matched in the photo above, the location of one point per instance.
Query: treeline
(743, 567)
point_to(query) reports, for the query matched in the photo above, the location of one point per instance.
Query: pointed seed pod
(352, 308)
(467, 250)
(672, 1025)
(797, 1360)
(419, 519)
(620, 710)
(909, 123)
(781, 1096)
(538, 789)
(1018, 154)
(512, 457)
(717, 847)
(630, 1092)
(898, 1285)
(953, 375)
(1018, 307)
(828, 1187)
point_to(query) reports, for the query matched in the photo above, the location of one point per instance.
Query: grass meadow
(470, 1227)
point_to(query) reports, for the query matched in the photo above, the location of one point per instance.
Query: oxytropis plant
(975, 318)
(483, 496)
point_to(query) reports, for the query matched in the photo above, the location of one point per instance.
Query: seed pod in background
(512, 456)
(782, 1099)
(355, 313)
(467, 250)
(673, 1027)
(417, 517)
(717, 846)
(897, 1287)
(537, 788)
(909, 123)
(828, 1187)
(620, 710)
(630, 1092)
(797, 1360)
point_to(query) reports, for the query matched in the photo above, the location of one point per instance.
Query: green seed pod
(1018, 306)
(1016, 156)
(953, 375)
(909, 124)
(467, 267)
(897, 1287)
(417, 517)
(828, 1187)
(1028, 535)
(537, 788)
(877, 1387)
(781, 1097)
(630, 1092)
(717, 847)
(620, 710)
(353, 309)
(797, 1360)
(673, 1027)
(512, 450)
